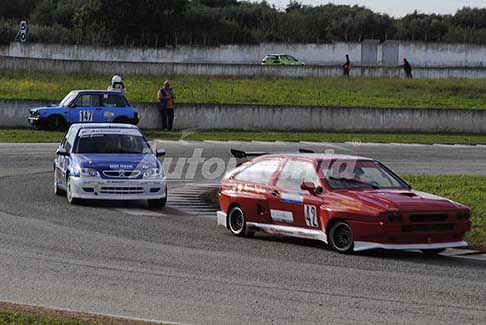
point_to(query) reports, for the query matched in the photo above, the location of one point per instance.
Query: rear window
(260, 172)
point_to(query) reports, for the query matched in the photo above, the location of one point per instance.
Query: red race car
(351, 203)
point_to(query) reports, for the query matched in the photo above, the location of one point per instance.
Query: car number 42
(310, 212)
(85, 116)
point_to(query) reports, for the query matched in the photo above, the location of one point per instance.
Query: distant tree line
(160, 23)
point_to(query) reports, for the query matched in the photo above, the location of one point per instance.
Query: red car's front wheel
(341, 237)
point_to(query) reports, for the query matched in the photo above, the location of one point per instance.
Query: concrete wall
(436, 54)
(226, 54)
(419, 54)
(237, 70)
(288, 118)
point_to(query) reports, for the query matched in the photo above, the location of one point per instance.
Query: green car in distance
(281, 59)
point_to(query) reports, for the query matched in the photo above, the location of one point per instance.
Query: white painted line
(141, 212)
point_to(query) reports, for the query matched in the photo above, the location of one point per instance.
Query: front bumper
(36, 120)
(102, 189)
(361, 246)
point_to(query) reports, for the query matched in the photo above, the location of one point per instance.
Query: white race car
(109, 162)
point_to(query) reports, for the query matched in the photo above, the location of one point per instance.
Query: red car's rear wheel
(237, 221)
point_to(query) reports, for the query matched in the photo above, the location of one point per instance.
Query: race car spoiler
(240, 154)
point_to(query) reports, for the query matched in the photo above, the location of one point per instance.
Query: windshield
(127, 141)
(68, 99)
(359, 174)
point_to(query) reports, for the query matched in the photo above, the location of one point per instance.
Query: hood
(52, 106)
(104, 162)
(403, 200)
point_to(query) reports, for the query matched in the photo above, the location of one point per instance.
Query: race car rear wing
(240, 154)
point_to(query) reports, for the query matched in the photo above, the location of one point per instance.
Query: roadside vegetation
(36, 136)
(12, 318)
(259, 90)
(468, 190)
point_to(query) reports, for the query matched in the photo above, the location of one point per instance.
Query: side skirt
(289, 231)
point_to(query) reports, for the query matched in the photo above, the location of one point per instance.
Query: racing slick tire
(237, 222)
(341, 237)
(56, 123)
(433, 252)
(69, 194)
(158, 203)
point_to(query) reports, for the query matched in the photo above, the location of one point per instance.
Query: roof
(104, 126)
(316, 156)
(97, 91)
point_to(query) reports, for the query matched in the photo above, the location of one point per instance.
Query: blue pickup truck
(85, 106)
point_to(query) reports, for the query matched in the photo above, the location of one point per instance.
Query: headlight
(89, 172)
(153, 172)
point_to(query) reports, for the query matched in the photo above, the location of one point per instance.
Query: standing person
(117, 84)
(346, 66)
(166, 96)
(407, 68)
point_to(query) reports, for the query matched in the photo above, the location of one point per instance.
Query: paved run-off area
(171, 266)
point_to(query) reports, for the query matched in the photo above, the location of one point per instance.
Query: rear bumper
(100, 189)
(221, 218)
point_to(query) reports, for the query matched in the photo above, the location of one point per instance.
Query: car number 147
(85, 116)
(311, 215)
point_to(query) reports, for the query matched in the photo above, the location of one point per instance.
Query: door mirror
(311, 188)
(160, 153)
(62, 152)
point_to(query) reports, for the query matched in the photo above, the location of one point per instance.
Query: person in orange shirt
(166, 96)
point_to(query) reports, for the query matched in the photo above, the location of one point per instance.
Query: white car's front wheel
(69, 192)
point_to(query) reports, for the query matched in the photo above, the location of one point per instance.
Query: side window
(88, 101)
(69, 141)
(113, 101)
(295, 172)
(260, 172)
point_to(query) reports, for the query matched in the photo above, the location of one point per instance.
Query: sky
(398, 8)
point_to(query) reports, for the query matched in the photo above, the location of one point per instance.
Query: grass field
(469, 190)
(292, 91)
(34, 136)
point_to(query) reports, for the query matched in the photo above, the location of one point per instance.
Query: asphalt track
(124, 259)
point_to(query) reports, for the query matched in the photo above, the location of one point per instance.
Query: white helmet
(116, 78)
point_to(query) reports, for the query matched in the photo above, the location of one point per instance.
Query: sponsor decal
(109, 115)
(120, 166)
(292, 197)
(101, 131)
(282, 216)
(249, 188)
